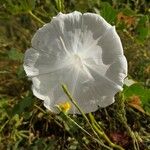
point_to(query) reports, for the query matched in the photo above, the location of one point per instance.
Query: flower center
(77, 61)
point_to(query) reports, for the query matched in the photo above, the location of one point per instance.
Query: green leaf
(31, 4)
(21, 73)
(128, 11)
(143, 28)
(13, 54)
(16, 7)
(108, 12)
(23, 104)
(138, 90)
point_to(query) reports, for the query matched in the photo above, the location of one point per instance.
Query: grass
(26, 124)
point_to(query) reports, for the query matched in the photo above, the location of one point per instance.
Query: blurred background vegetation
(26, 124)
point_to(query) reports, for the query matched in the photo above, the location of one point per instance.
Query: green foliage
(23, 104)
(139, 23)
(13, 54)
(138, 90)
(108, 12)
(128, 11)
(143, 28)
(3, 109)
(16, 7)
(60, 5)
(43, 144)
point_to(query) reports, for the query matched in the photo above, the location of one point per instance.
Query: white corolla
(82, 51)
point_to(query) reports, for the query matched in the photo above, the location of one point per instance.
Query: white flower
(82, 51)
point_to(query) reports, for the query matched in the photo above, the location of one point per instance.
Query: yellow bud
(65, 106)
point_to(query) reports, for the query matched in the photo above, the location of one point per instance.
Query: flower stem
(102, 134)
(44, 112)
(122, 118)
(94, 128)
(76, 105)
(36, 18)
(84, 131)
(3, 126)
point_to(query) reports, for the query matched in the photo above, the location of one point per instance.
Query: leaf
(134, 89)
(13, 54)
(108, 12)
(20, 72)
(22, 105)
(143, 28)
(31, 4)
(16, 7)
(138, 90)
(128, 11)
(135, 102)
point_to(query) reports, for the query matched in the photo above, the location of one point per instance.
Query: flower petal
(96, 24)
(111, 46)
(103, 83)
(48, 86)
(118, 70)
(44, 38)
(106, 101)
(60, 35)
(93, 29)
(38, 62)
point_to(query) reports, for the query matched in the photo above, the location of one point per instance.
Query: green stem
(36, 18)
(131, 133)
(95, 139)
(123, 119)
(3, 126)
(94, 121)
(69, 118)
(76, 105)
(43, 111)
(105, 137)
(83, 114)
(50, 117)
(102, 134)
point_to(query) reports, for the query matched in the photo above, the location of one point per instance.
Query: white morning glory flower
(82, 51)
